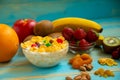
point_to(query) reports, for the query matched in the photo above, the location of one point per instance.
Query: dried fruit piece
(104, 73)
(86, 58)
(99, 72)
(107, 61)
(78, 60)
(77, 63)
(109, 73)
(72, 59)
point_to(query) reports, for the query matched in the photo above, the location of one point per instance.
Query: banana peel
(74, 23)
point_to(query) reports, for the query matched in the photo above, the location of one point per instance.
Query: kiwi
(55, 34)
(110, 43)
(43, 28)
(28, 38)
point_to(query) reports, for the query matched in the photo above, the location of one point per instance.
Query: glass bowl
(73, 48)
(45, 59)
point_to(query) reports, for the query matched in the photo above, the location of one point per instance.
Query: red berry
(68, 33)
(84, 45)
(92, 36)
(79, 34)
(115, 55)
(118, 49)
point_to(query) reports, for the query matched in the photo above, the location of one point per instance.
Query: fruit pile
(107, 61)
(104, 73)
(80, 60)
(80, 35)
(80, 38)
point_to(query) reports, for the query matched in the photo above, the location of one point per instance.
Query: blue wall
(11, 10)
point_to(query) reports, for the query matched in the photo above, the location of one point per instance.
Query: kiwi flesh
(110, 43)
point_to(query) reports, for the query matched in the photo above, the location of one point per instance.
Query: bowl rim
(92, 44)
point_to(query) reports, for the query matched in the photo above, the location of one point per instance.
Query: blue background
(104, 12)
(11, 10)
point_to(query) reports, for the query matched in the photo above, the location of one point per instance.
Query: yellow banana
(74, 23)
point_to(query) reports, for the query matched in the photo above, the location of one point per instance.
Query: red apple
(24, 28)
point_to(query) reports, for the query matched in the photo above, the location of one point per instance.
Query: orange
(9, 43)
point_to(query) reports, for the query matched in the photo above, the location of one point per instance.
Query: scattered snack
(82, 68)
(107, 61)
(110, 43)
(80, 60)
(81, 76)
(86, 67)
(104, 73)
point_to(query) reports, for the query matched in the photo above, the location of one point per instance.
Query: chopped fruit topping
(48, 44)
(45, 44)
(59, 40)
(34, 45)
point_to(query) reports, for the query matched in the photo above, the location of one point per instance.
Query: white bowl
(45, 59)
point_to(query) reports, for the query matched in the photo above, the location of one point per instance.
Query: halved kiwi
(110, 43)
